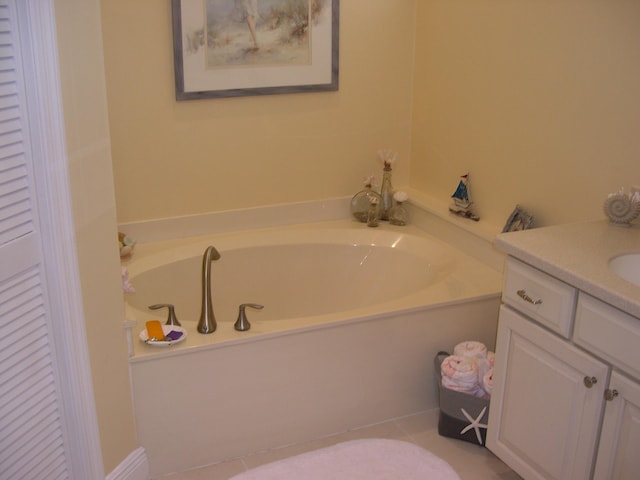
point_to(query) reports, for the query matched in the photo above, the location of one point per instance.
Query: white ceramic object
(126, 245)
(621, 208)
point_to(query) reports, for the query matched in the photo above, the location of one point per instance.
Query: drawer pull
(610, 394)
(523, 295)
(590, 381)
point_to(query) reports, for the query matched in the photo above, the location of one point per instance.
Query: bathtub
(352, 319)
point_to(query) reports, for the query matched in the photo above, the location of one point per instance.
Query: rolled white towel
(490, 363)
(461, 374)
(487, 382)
(483, 367)
(477, 351)
(471, 349)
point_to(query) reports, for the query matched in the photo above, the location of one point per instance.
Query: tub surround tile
(238, 220)
(439, 208)
(294, 213)
(428, 213)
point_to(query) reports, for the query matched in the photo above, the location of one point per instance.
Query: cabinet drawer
(609, 333)
(542, 297)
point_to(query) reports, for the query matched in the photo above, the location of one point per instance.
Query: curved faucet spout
(207, 323)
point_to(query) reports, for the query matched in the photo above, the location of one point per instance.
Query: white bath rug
(370, 459)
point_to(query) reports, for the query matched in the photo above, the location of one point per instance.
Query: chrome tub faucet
(207, 323)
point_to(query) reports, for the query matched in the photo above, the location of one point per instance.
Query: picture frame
(518, 220)
(231, 48)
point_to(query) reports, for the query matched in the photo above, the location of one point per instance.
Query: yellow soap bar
(154, 330)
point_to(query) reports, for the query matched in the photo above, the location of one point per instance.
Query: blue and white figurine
(462, 200)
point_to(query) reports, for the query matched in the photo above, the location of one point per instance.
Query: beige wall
(177, 158)
(538, 99)
(86, 123)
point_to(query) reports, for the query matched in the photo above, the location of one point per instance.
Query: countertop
(579, 254)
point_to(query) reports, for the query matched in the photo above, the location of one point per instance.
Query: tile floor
(471, 462)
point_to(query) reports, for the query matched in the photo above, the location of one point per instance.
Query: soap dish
(175, 334)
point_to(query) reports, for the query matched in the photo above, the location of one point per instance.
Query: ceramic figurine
(622, 208)
(462, 200)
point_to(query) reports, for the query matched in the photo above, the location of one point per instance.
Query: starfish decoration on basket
(475, 424)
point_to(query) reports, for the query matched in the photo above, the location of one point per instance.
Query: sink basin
(627, 266)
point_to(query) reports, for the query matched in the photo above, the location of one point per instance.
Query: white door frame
(40, 55)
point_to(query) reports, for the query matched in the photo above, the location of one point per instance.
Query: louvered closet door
(32, 442)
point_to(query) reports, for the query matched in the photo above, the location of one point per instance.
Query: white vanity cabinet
(544, 417)
(566, 400)
(614, 336)
(619, 452)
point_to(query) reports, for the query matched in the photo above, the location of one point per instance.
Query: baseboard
(134, 467)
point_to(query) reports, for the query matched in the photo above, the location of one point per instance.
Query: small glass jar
(373, 215)
(398, 215)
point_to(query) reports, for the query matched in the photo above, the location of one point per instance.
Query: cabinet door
(546, 403)
(619, 455)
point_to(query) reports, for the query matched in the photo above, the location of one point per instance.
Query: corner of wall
(134, 467)
(473, 238)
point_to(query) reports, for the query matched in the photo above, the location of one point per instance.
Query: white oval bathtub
(295, 280)
(304, 276)
(352, 319)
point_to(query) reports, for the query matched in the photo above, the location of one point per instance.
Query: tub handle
(242, 323)
(171, 318)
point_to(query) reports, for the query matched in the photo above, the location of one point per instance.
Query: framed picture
(518, 220)
(229, 48)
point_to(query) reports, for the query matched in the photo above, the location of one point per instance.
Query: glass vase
(362, 202)
(386, 193)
